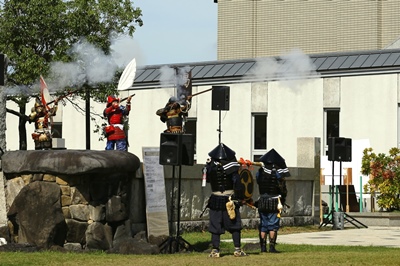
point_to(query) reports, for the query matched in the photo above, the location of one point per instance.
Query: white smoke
(19, 90)
(182, 75)
(292, 69)
(124, 49)
(92, 65)
(174, 77)
(167, 76)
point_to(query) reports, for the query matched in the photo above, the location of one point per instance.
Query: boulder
(37, 212)
(69, 162)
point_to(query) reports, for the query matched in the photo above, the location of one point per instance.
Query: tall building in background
(250, 28)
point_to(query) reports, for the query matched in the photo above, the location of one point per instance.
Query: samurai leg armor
(263, 241)
(272, 241)
(215, 240)
(236, 238)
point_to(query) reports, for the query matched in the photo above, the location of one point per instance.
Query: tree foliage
(35, 33)
(384, 172)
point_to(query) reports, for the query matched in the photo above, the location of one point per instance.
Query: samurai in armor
(116, 114)
(174, 114)
(226, 198)
(40, 116)
(272, 187)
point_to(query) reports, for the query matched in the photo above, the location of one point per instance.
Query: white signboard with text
(156, 203)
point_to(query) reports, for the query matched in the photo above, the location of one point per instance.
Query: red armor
(115, 115)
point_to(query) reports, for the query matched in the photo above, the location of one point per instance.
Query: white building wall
(259, 97)
(74, 126)
(12, 135)
(145, 125)
(235, 123)
(368, 111)
(293, 112)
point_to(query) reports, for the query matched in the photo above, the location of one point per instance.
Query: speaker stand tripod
(175, 242)
(329, 219)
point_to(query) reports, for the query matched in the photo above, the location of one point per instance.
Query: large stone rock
(76, 231)
(98, 236)
(116, 210)
(37, 212)
(134, 245)
(69, 162)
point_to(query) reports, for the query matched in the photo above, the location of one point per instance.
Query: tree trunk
(2, 120)
(22, 128)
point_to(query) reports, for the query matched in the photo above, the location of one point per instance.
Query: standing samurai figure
(174, 114)
(272, 187)
(226, 198)
(40, 116)
(116, 114)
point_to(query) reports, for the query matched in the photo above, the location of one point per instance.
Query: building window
(259, 139)
(191, 128)
(398, 126)
(332, 125)
(56, 130)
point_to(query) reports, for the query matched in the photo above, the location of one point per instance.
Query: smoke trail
(167, 76)
(124, 49)
(20, 90)
(175, 77)
(91, 65)
(292, 69)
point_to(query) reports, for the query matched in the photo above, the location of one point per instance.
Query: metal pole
(179, 208)
(361, 195)
(87, 116)
(219, 129)
(332, 188)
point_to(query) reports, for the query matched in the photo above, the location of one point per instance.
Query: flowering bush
(384, 173)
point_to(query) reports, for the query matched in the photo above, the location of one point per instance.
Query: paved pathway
(371, 236)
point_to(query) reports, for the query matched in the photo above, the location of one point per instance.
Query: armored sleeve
(238, 187)
(283, 189)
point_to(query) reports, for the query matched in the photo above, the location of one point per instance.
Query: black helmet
(222, 152)
(273, 157)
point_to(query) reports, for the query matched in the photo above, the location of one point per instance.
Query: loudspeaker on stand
(176, 149)
(339, 149)
(220, 98)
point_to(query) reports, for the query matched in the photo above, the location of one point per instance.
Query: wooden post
(321, 182)
(348, 182)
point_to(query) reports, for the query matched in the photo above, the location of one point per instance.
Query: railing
(360, 197)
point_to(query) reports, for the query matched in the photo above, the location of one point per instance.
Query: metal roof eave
(251, 79)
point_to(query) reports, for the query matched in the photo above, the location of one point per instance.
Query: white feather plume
(128, 76)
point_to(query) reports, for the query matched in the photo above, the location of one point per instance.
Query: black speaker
(220, 98)
(176, 149)
(339, 149)
(170, 149)
(2, 69)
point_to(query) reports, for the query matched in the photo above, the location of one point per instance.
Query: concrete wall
(303, 193)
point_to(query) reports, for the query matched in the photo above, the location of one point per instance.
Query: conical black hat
(273, 157)
(222, 152)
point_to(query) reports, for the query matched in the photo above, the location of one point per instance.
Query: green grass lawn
(291, 254)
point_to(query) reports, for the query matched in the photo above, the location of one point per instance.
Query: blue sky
(176, 31)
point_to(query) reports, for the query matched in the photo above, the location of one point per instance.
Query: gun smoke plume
(90, 66)
(292, 69)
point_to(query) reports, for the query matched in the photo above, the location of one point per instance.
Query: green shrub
(384, 173)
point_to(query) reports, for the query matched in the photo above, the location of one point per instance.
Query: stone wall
(71, 199)
(93, 208)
